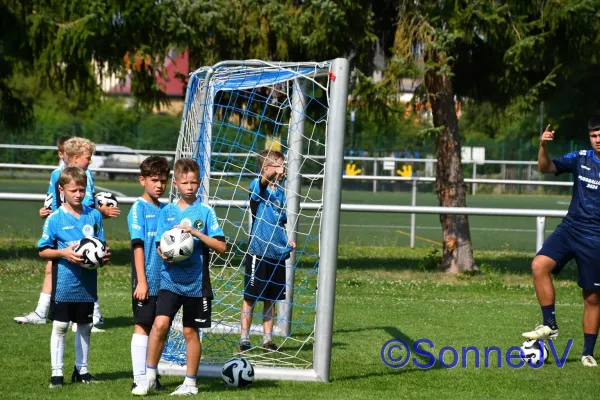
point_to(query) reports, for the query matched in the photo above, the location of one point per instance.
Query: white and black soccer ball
(48, 201)
(534, 352)
(93, 251)
(176, 244)
(107, 198)
(237, 372)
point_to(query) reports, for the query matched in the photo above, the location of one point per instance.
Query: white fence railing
(540, 215)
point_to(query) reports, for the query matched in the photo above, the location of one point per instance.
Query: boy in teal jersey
(147, 263)
(186, 283)
(74, 288)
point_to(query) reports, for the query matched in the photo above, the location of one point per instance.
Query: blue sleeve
(54, 189)
(566, 163)
(213, 229)
(161, 227)
(257, 192)
(100, 233)
(135, 222)
(48, 239)
(90, 190)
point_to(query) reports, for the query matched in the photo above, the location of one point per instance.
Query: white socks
(97, 307)
(82, 347)
(57, 346)
(43, 305)
(188, 381)
(139, 350)
(267, 337)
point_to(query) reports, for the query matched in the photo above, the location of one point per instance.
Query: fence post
(413, 216)
(375, 174)
(540, 233)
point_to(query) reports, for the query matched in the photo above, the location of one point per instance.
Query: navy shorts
(264, 279)
(567, 243)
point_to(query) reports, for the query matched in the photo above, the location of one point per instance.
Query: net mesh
(231, 114)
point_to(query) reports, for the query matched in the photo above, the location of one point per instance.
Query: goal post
(234, 109)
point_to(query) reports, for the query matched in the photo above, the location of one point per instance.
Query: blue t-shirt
(268, 237)
(584, 210)
(143, 225)
(189, 277)
(88, 199)
(61, 229)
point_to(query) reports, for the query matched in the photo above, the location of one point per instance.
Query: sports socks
(139, 349)
(589, 342)
(82, 347)
(57, 346)
(43, 305)
(549, 315)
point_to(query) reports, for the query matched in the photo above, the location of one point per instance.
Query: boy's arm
(137, 235)
(214, 237)
(47, 246)
(545, 164)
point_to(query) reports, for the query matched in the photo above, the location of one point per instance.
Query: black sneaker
(56, 382)
(244, 346)
(269, 346)
(83, 378)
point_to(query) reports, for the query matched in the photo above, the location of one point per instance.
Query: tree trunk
(450, 187)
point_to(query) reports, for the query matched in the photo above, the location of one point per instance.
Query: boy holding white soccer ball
(74, 287)
(185, 283)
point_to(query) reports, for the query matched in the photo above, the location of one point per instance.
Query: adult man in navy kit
(577, 236)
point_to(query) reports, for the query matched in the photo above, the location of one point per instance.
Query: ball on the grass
(237, 372)
(93, 251)
(48, 201)
(534, 352)
(105, 198)
(176, 244)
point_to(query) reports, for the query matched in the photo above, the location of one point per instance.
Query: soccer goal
(233, 110)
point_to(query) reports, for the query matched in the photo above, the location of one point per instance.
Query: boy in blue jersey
(145, 272)
(74, 288)
(268, 249)
(576, 237)
(185, 283)
(75, 152)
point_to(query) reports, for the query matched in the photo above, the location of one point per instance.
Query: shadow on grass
(399, 363)
(499, 263)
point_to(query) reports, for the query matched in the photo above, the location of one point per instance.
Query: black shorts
(567, 243)
(78, 312)
(144, 311)
(196, 310)
(265, 279)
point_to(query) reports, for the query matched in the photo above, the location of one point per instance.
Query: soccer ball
(93, 251)
(534, 352)
(48, 201)
(237, 372)
(176, 244)
(107, 198)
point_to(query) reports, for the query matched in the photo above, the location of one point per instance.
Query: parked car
(111, 156)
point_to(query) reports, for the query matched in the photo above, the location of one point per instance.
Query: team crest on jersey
(199, 224)
(87, 230)
(277, 203)
(186, 222)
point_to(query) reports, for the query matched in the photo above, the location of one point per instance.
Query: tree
(505, 52)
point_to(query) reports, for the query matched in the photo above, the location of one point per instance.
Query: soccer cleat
(244, 346)
(185, 390)
(588, 361)
(31, 318)
(541, 332)
(56, 382)
(140, 388)
(269, 346)
(159, 387)
(76, 377)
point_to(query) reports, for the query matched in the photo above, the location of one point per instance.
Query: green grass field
(381, 294)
